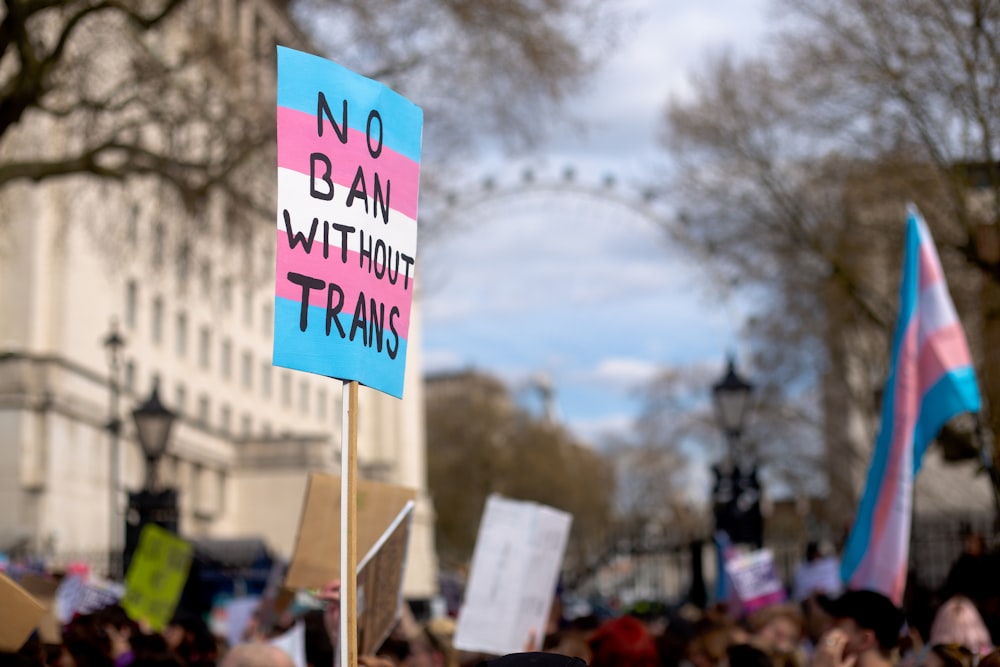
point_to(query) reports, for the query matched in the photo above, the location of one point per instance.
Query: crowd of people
(858, 628)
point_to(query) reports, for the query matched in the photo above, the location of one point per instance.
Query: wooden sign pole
(348, 528)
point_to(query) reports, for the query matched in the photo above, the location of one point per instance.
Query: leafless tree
(796, 165)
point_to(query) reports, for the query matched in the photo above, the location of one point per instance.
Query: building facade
(80, 258)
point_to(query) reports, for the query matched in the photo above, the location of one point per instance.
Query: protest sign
(20, 614)
(348, 176)
(380, 583)
(156, 576)
(315, 558)
(292, 644)
(819, 576)
(43, 588)
(755, 579)
(79, 595)
(515, 566)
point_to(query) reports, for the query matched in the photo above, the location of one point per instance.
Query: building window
(246, 425)
(286, 388)
(246, 370)
(265, 379)
(265, 430)
(131, 303)
(129, 381)
(183, 265)
(205, 348)
(225, 419)
(266, 319)
(204, 407)
(226, 290)
(180, 398)
(226, 360)
(182, 334)
(159, 241)
(157, 317)
(304, 395)
(206, 278)
(132, 233)
(248, 307)
(321, 403)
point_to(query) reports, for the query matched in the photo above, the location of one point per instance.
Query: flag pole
(348, 527)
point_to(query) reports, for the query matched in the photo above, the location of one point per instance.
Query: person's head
(776, 628)
(815, 619)
(532, 659)
(709, 643)
(958, 622)
(870, 620)
(745, 655)
(949, 655)
(623, 641)
(256, 655)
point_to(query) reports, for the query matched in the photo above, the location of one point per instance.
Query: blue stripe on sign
(302, 76)
(315, 352)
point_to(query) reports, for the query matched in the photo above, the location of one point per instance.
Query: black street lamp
(113, 344)
(731, 396)
(153, 422)
(737, 492)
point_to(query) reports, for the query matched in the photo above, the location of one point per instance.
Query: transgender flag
(931, 380)
(348, 177)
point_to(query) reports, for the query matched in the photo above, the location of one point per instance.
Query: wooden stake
(348, 528)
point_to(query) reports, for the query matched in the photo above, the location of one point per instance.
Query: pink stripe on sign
(399, 177)
(352, 277)
(944, 351)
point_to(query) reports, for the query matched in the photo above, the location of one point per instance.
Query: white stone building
(76, 256)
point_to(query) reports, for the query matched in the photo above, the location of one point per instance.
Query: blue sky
(576, 287)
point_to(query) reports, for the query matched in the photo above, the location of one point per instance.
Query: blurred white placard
(515, 568)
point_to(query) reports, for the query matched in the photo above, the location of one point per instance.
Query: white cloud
(625, 373)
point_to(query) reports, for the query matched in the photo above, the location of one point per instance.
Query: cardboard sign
(515, 566)
(755, 579)
(43, 588)
(380, 583)
(156, 576)
(316, 558)
(348, 178)
(20, 614)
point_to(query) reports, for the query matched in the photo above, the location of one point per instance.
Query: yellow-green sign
(156, 576)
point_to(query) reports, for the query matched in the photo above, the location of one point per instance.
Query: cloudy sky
(582, 288)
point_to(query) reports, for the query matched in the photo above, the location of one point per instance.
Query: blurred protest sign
(515, 567)
(78, 595)
(293, 644)
(818, 576)
(20, 614)
(755, 579)
(380, 583)
(316, 557)
(348, 179)
(43, 588)
(156, 576)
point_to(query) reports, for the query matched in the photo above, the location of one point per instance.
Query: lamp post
(113, 344)
(153, 423)
(731, 395)
(736, 495)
